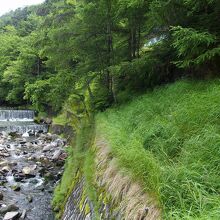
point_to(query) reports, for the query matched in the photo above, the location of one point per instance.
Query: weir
(16, 115)
(20, 121)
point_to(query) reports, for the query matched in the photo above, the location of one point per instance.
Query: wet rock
(56, 154)
(23, 215)
(49, 176)
(26, 134)
(3, 163)
(48, 147)
(46, 121)
(19, 177)
(5, 169)
(9, 208)
(30, 198)
(4, 154)
(16, 188)
(13, 134)
(42, 136)
(26, 170)
(11, 216)
(12, 163)
(40, 188)
(60, 143)
(54, 137)
(1, 196)
(4, 134)
(29, 145)
(29, 171)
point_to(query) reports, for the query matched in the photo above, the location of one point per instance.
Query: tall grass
(169, 139)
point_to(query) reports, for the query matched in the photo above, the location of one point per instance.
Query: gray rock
(26, 134)
(9, 208)
(29, 170)
(3, 163)
(56, 154)
(23, 215)
(11, 216)
(48, 147)
(1, 196)
(26, 170)
(29, 145)
(16, 188)
(30, 198)
(5, 169)
(4, 134)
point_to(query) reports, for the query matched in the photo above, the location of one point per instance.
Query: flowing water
(19, 121)
(30, 165)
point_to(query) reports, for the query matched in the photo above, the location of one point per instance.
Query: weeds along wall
(155, 156)
(169, 140)
(94, 187)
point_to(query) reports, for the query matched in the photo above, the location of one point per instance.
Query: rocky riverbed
(30, 166)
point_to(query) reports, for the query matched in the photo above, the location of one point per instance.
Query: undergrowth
(169, 139)
(60, 119)
(79, 163)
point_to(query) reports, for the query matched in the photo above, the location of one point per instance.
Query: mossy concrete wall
(117, 195)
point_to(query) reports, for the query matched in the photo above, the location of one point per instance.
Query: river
(31, 164)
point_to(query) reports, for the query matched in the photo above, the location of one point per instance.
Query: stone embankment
(118, 196)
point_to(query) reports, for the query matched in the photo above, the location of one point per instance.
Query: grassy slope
(170, 140)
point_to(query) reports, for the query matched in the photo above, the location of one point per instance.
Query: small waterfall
(20, 121)
(16, 115)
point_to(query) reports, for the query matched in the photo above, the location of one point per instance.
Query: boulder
(5, 169)
(11, 216)
(4, 134)
(3, 163)
(48, 147)
(8, 208)
(26, 134)
(56, 154)
(29, 170)
(26, 170)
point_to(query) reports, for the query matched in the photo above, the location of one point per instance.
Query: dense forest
(104, 51)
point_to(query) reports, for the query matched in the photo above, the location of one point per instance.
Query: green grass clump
(67, 183)
(169, 139)
(60, 120)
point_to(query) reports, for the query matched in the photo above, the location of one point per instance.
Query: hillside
(132, 87)
(169, 140)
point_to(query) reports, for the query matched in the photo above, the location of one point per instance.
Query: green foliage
(203, 50)
(169, 140)
(77, 164)
(99, 49)
(64, 187)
